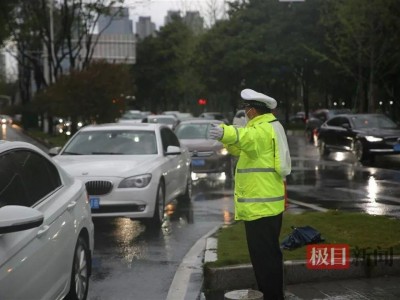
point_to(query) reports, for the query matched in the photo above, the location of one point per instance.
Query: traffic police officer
(259, 192)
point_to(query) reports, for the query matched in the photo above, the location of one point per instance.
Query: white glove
(215, 132)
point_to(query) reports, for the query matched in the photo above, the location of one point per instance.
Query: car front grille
(392, 140)
(201, 153)
(98, 187)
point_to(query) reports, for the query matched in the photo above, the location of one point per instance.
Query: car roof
(8, 145)
(212, 113)
(200, 121)
(123, 126)
(162, 117)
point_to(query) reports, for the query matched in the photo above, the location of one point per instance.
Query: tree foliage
(363, 39)
(95, 95)
(163, 74)
(52, 34)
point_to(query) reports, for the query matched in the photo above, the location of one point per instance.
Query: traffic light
(202, 101)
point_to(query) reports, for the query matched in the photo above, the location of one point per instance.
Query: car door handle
(71, 205)
(42, 230)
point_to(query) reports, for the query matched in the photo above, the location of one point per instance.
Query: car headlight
(139, 181)
(223, 151)
(371, 138)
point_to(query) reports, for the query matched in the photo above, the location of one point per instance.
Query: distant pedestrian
(264, 162)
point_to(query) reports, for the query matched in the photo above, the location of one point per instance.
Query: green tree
(363, 40)
(264, 45)
(162, 72)
(49, 33)
(6, 8)
(95, 94)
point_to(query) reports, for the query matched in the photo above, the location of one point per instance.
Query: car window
(30, 178)
(338, 121)
(131, 116)
(192, 131)
(168, 138)
(11, 187)
(373, 121)
(158, 120)
(112, 142)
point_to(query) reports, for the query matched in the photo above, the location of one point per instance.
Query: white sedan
(130, 170)
(46, 229)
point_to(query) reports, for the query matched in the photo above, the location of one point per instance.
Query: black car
(365, 135)
(318, 117)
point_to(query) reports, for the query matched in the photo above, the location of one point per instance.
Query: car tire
(323, 150)
(159, 208)
(81, 268)
(360, 154)
(187, 196)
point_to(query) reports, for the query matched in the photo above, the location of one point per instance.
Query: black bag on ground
(301, 236)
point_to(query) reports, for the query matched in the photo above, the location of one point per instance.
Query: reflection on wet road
(342, 183)
(135, 262)
(132, 262)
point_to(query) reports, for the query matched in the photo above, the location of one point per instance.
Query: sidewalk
(362, 280)
(379, 281)
(383, 287)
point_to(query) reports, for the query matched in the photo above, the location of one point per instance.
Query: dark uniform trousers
(266, 256)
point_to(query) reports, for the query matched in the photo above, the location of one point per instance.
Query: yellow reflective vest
(264, 161)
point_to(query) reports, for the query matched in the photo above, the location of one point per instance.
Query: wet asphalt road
(340, 182)
(132, 262)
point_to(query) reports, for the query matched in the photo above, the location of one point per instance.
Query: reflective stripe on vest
(272, 199)
(251, 170)
(237, 135)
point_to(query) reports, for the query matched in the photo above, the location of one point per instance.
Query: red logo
(328, 256)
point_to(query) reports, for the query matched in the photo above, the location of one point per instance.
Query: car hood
(381, 132)
(99, 166)
(201, 145)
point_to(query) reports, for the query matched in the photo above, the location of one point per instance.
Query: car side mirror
(14, 218)
(54, 151)
(346, 125)
(173, 150)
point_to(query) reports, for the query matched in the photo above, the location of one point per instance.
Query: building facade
(116, 48)
(117, 22)
(117, 43)
(145, 28)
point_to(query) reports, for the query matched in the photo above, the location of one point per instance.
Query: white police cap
(250, 95)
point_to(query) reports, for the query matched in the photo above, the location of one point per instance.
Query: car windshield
(192, 131)
(131, 116)
(112, 142)
(373, 121)
(169, 121)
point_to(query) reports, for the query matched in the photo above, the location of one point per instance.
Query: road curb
(238, 277)
(242, 276)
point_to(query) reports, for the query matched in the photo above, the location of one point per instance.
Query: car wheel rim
(81, 273)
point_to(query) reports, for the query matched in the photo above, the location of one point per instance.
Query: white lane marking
(312, 206)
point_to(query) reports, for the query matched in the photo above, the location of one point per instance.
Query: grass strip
(360, 231)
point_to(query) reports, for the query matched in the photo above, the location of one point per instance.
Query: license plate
(198, 162)
(396, 148)
(94, 202)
